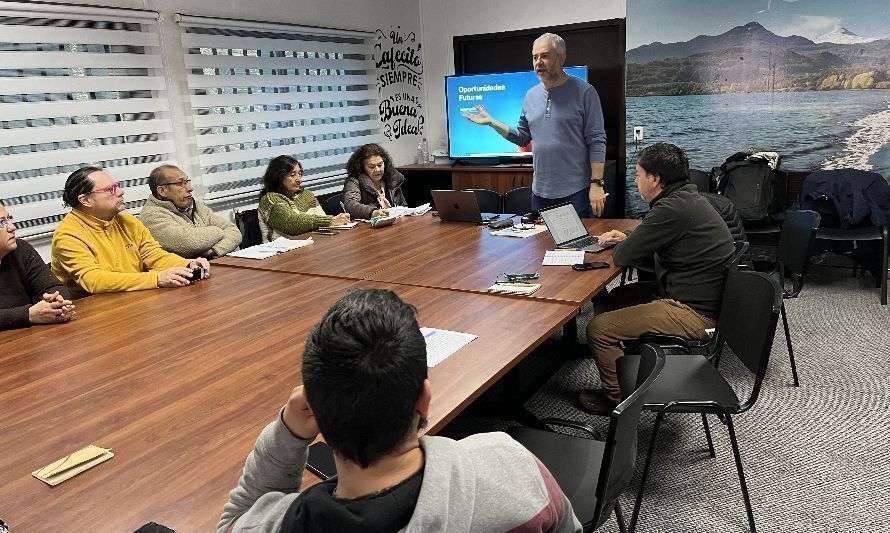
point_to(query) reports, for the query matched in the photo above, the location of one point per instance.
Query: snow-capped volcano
(841, 35)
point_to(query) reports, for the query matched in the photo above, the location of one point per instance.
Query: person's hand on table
(51, 309)
(203, 263)
(611, 236)
(298, 416)
(379, 212)
(174, 277)
(342, 218)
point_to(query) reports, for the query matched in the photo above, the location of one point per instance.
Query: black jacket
(690, 244)
(858, 196)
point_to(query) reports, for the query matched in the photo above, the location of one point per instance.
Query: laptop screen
(564, 223)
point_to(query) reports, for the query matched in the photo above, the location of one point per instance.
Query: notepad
(271, 249)
(515, 231)
(348, 225)
(441, 343)
(563, 257)
(514, 288)
(69, 466)
(401, 211)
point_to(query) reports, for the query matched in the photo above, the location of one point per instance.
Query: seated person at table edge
(286, 208)
(181, 224)
(29, 293)
(373, 185)
(690, 245)
(365, 388)
(97, 249)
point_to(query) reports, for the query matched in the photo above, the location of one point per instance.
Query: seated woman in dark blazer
(373, 185)
(286, 208)
(29, 293)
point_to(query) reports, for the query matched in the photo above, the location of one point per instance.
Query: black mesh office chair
(248, 222)
(691, 384)
(793, 254)
(489, 201)
(593, 473)
(518, 201)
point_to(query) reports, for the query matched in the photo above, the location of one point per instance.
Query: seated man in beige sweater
(181, 224)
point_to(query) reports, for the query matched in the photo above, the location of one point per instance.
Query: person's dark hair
(159, 176)
(666, 161)
(78, 183)
(363, 371)
(356, 164)
(277, 170)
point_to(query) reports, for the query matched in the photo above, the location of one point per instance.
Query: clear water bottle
(423, 153)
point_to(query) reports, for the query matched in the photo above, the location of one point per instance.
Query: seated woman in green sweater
(287, 209)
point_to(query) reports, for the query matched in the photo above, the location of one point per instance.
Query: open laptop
(568, 231)
(461, 206)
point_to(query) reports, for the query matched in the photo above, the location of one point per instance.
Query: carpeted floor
(816, 458)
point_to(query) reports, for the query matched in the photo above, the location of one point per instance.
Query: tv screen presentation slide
(502, 95)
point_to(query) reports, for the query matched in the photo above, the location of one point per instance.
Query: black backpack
(756, 190)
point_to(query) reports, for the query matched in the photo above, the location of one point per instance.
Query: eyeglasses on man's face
(5, 221)
(111, 189)
(180, 183)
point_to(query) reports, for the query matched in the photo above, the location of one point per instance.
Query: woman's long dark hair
(277, 170)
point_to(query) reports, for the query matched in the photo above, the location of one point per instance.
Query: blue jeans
(580, 200)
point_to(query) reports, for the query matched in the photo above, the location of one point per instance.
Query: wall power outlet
(638, 133)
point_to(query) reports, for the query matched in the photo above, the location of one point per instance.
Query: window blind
(78, 86)
(259, 90)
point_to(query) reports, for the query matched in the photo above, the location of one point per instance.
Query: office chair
(489, 201)
(518, 201)
(332, 205)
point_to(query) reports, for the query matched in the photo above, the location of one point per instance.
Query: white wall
(443, 19)
(363, 15)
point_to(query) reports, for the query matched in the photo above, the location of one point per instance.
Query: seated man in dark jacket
(29, 293)
(690, 246)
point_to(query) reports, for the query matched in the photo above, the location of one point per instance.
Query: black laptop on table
(461, 206)
(568, 231)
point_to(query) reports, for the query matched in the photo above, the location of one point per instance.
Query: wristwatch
(601, 183)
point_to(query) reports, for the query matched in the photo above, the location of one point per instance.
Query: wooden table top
(179, 382)
(451, 255)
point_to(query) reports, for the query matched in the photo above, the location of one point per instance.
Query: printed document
(440, 343)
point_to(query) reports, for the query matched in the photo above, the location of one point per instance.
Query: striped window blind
(259, 90)
(78, 86)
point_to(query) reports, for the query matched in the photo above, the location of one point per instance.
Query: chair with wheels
(518, 201)
(489, 201)
(593, 473)
(691, 384)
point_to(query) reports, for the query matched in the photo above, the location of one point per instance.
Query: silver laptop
(568, 231)
(461, 206)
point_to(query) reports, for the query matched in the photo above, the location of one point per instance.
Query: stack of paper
(270, 249)
(514, 288)
(348, 225)
(563, 257)
(515, 231)
(399, 211)
(440, 343)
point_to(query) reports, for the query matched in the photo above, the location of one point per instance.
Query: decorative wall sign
(399, 62)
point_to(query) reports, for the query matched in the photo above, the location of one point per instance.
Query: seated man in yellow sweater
(97, 249)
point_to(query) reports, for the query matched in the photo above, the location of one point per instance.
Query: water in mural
(397, 57)
(761, 75)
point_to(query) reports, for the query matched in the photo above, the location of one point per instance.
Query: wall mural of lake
(789, 77)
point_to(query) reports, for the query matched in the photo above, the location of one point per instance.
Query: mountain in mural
(751, 58)
(841, 35)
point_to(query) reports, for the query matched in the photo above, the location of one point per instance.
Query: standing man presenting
(564, 117)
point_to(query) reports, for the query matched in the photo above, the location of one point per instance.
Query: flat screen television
(502, 95)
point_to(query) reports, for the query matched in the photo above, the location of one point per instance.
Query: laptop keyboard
(583, 241)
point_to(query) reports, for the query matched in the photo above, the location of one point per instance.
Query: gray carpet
(815, 457)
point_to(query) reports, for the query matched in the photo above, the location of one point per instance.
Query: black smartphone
(590, 266)
(521, 277)
(197, 273)
(321, 461)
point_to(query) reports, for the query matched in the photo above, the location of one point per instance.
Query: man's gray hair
(555, 40)
(157, 175)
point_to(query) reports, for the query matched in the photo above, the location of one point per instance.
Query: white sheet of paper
(348, 225)
(563, 257)
(271, 249)
(401, 211)
(441, 343)
(521, 233)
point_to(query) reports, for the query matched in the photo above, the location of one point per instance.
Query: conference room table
(179, 383)
(426, 252)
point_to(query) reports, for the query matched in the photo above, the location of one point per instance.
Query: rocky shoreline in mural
(751, 59)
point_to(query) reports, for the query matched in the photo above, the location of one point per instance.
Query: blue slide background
(466, 139)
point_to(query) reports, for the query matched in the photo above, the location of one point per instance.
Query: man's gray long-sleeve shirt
(565, 124)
